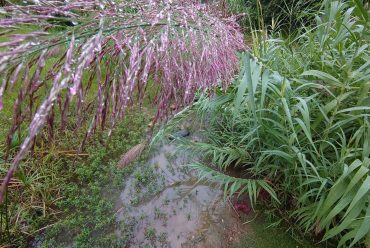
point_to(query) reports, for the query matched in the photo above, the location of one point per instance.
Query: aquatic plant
(104, 55)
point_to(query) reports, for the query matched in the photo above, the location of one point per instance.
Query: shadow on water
(165, 205)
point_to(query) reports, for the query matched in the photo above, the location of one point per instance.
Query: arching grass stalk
(107, 53)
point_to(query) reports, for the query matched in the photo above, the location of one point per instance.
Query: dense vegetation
(283, 15)
(295, 124)
(178, 50)
(290, 128)
(71, 68)
(63, 196)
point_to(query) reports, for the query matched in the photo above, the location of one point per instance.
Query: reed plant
(295, 125)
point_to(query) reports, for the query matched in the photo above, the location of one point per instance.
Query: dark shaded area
(286, 15)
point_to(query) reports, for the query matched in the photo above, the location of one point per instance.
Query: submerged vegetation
(285, 123)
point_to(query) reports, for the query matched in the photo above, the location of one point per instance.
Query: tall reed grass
(296, 124)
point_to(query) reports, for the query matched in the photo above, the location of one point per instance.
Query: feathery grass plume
(110, 52)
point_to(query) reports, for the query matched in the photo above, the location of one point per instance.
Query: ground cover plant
(88, 217)
(63, 196)
(295, 126)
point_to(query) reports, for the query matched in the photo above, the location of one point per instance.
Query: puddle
(163, 204)
(172, 209)
(178, 212)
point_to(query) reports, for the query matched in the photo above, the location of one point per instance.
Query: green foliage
(150, 233)
(89, 212)
(63, 199)
(297, 119)
(284, 15)
(347, 199)
(232, 184)
(266, 235)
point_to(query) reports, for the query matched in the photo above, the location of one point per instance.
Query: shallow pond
(165, 205)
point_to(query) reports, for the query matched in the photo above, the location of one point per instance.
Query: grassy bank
(63, 197)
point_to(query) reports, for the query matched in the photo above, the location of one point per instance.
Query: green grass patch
(262, 234)
(63, 198)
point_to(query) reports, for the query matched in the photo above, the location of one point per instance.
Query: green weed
(150, 234)
(68, 198)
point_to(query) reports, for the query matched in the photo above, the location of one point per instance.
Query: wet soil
(165, 205)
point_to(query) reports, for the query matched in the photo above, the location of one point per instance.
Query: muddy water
(164, 205)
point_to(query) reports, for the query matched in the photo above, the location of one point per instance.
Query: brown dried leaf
(131, 155)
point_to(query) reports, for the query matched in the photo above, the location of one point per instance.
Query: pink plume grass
(182, 47)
